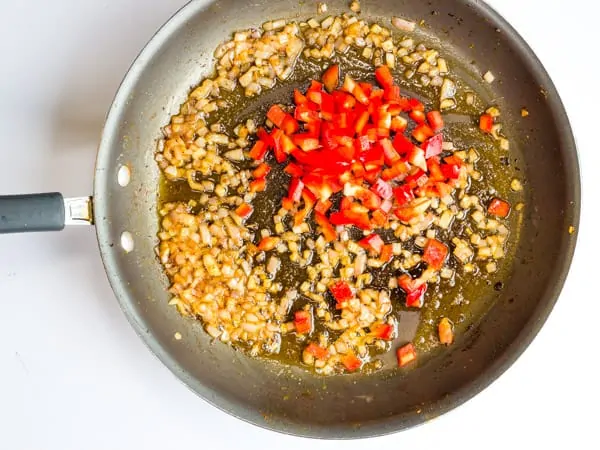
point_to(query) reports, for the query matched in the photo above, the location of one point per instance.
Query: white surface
(73, 373)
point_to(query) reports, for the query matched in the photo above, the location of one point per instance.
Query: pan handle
(43, 212)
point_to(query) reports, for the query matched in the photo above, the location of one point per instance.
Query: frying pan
(289, 399)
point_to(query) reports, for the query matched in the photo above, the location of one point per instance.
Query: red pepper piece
(402, 144)
(379, 218)
(422, 132)
(406, 355)
(392, 94)
(294, 170)
(417, 158)
(403, 195)
(486, 122)
(258, 185)
(416, 105)
(304, 114)
(361, 122)
(276, 115)
(317, 351)
(327, 229)
(383, 75)
(416, 179)
(295, 190)
(417, 116)
(433, 146)
(303, 322)
(264, 136)
(323, 206)
(366, 87)
(289, 125)
(390, 155)
(382, 331)
(268, 243)
(499, 208)
(398, 169)
(368, 198)
(299, 98)
(244, 210)
(261, 171)
(258, 151)
(387, 253)
(306, 142)
(331, 78)
(287, 203)
(399, 124)
(372, 242)
(351, 362)
(450, 171)
(435, 171)
(435, 120)
(415, 290)
(341, 292)
(435, 253)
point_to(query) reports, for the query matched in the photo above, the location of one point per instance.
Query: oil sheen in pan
(464, 300)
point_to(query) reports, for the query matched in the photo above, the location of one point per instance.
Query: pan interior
(287, 398)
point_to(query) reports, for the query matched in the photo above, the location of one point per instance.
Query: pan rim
(382, 426)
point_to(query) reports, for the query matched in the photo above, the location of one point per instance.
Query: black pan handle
(42, 212)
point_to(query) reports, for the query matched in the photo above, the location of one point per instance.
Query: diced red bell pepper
(258, 185)
(323, 206)
(398, 169)
(306, 142)
(361, 122)
(359, 219)
(315, 86)
(317, 351)
(416, 179)
(433, 146)
(313, 128)
(244, 210)
(351, 362)
(486, 123)
(383, 189)
(331, 78)
(299, 98)
(422, 132)
(499, 208)
(341, 292)
(261, 171)
(362, 144)
(403, 195)
(387, 253)
(399, 124)
(414, 289)
(372, 158)
(435, 253)
(264, 136)
(450, 171)
(309, 202)
(435, 120)
(390, 155)
(304, 114)
(343, 101)
(303, 322)
(327, 229)
(417, 158)
(417, 116)
(382, 331)
(294, 170)
(368, 198)
(295, 190)
(379, 218)
(278, 135)
(405, 214)
(406, 355)
(287, 203)
(445, 331)
(289, 125)
(322, 188)
(435, 172)
(392, 93)
(384, 76)
(372, 242)
(416, 105)
(367, 88)
(402, 144)
(258, 151)
(276, 115)
(268, 243)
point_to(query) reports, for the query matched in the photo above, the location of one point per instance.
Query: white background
(73, 375)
